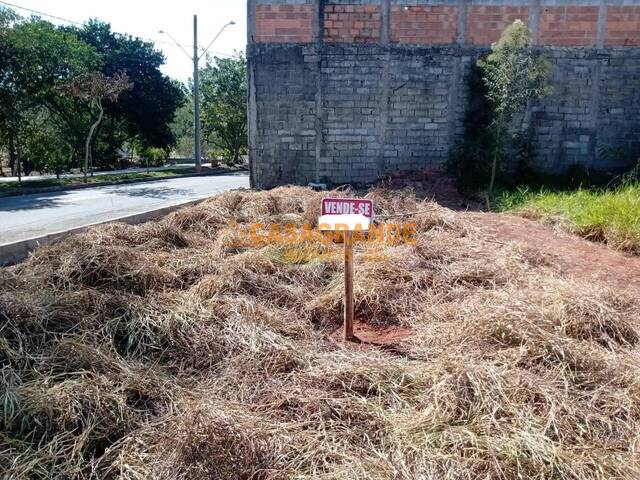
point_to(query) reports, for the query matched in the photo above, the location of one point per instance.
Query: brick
(434, 24)
(623, 25)
(284, 24)
(569, 25)
(352, 23)
(485, 23)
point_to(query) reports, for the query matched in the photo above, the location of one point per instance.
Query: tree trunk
(87, 149)
(494, 165)
(19, 162)
(12, 155)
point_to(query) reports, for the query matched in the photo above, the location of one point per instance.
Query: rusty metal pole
(348, 286)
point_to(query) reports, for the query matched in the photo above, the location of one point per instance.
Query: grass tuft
(608, 216)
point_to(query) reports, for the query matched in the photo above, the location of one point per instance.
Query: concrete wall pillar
(252, 106)
(383, 118)
(534, 20)
(461, 22)
(319, 124)
(602, 24)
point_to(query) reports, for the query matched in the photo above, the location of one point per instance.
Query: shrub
(154, 157)
(511, 76)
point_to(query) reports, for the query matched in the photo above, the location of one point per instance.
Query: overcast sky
(144, 18)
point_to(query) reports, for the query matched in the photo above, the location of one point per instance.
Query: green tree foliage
(182, 127)
(148, 109)
(38, 57)
(94, 89)
(224, 106)
(42, 127)
(513, 75)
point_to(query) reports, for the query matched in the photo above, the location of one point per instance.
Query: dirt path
(574, 257)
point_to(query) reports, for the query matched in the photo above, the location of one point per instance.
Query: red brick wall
(485, 23)
(284, 24)
(423, 24)
(569, 26)
(352, 23)
(623, 25)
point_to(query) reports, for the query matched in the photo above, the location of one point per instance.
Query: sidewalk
(97, 174)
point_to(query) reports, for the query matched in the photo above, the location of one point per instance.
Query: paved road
(31, 216)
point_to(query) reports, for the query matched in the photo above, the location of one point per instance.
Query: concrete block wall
(347, 91)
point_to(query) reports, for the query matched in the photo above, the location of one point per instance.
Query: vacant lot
(177, 349)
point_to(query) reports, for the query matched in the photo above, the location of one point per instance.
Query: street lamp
(196, 81)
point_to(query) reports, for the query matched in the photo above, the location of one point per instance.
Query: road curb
(62, 188)
(12, 253)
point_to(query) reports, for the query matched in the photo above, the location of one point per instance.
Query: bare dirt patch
(570, 255)
(389, 339)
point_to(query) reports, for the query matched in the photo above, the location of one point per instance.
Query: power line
(74, 22)
(41, 13)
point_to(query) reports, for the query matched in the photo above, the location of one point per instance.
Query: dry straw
(176, 350)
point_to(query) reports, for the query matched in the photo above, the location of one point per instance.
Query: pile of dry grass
(178, 349)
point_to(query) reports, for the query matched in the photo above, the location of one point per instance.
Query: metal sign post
(347, 215)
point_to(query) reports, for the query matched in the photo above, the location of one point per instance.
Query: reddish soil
(367, 336)
(569, 255)
(572, 256)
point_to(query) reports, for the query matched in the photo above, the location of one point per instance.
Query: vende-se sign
(347, 206)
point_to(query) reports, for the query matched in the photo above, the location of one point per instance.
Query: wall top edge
(360, 47)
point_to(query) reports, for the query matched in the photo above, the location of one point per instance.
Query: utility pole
(196, 96)
(196, 83)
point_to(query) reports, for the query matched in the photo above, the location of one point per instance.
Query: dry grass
(177, 349)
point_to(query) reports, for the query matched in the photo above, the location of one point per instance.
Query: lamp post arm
(176, 43)
(215, 38)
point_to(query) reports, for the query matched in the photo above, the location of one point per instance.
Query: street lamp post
(196, 83)
(196, 96)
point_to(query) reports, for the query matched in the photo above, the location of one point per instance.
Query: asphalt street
(30, 216)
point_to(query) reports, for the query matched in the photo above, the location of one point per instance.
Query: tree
(45, 147)
(147, 110)
(8, 91)
(94, 89)
(513, 75)
(36, 57)
(183, 129)
(224, 106)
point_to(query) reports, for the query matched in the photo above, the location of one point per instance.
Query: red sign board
(347, 206)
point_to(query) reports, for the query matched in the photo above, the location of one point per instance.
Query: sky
(144, 18)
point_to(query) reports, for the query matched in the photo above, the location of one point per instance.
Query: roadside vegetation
(74, 95)
(6, 187)
(497, 143)
(609, 215)
(83, 96)
(179, 349)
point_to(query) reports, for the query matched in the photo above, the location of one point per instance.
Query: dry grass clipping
(178, 350)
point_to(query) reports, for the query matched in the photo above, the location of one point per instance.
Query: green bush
(156, 157)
